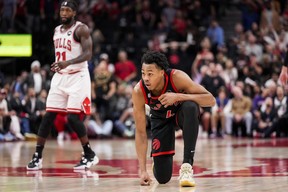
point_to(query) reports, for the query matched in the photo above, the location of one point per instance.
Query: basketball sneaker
(186, 176)
(35, 163)
(87, 161)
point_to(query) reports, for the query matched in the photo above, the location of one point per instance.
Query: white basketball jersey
(67, 48)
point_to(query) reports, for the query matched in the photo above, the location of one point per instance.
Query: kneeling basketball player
(174, 99)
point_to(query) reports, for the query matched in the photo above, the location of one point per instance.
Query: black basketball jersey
(158, 111)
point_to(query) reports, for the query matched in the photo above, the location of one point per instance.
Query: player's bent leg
(89, 157)
(188, 117)
(43, 132)
(163, 168)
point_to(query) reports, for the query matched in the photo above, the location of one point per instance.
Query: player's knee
(73, 118)
(76, 124)
(45, 126)
(190, 106)
(163, 179)
(163, 168)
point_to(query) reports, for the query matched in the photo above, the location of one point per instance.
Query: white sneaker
(87, 161)
(35, 163)
(186, 176)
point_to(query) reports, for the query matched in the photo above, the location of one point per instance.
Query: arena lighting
(15, 45)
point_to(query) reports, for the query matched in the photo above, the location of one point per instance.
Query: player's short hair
(70, 3)
(155, 57)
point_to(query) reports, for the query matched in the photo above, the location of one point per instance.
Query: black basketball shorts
(163, 137)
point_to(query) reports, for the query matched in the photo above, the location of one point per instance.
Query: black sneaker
(87, 161)
(35, 163)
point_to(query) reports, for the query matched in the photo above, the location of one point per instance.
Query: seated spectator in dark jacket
(264, 119)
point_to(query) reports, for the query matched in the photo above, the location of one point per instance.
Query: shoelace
(34, 159)
(186, 173)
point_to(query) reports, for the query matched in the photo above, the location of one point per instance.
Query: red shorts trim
(163, 153)
(53, 109)
(73, 110)
(70, 72)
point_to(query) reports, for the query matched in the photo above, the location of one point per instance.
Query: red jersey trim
(163, 153)
(172, 82)
(164, 88)
(143, 91)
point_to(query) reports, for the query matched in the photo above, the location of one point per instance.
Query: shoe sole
(187, 184)
(94, 162)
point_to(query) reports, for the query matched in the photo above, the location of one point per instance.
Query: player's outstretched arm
(141, 141)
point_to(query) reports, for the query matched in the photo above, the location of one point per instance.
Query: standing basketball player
(174, 99)
(70, 87)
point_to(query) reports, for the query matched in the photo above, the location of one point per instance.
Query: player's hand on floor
(145, 179)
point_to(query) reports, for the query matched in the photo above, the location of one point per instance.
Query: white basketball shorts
(70, 93)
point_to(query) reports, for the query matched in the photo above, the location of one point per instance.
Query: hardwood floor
(230, 164)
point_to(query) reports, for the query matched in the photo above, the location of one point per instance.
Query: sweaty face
(66, 15)
(152, 76)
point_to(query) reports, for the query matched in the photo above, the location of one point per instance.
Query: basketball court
(230, 164)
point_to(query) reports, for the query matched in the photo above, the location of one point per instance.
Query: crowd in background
(241, 70)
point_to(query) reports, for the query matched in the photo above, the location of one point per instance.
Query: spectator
(35, 78)
(168, 13)
(8, 16)
(124, 122)
(265, 119)
(213, 81)
(252, 47)
(270, 18)
(2, 79)
(230, 74)
(34, 109)
(216, 35)
(125, 70)
(145, 18)
(104, 87)
(10, 122)
(239, 111)
(63, 128)
(204, 57)
(250, 12)
(97, 127)
(218, 113)
(5, 119)
(280, 101)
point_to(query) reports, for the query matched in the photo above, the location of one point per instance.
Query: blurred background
(222, 44)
